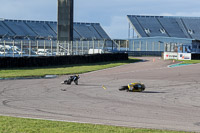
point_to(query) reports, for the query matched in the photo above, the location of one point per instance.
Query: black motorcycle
(71, 79)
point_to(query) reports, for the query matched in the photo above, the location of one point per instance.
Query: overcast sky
(111, 14)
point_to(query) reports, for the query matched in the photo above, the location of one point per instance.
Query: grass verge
(21, 125)
(61, 70)
(190, 61)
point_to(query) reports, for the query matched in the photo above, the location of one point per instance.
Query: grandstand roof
(20, 29)
(166, 26)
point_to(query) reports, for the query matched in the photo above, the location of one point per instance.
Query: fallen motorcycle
(133, 87)
(71, 79)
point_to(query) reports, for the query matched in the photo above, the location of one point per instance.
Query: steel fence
(20, 48)
(81, 47)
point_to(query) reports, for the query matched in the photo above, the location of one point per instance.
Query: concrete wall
(65, 20)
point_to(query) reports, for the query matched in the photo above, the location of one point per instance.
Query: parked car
(95, 51)
(2, 52)
(43, 52)
(28, 52)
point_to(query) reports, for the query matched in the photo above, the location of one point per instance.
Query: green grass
(190, 61)
(61, 70)
(21, 125)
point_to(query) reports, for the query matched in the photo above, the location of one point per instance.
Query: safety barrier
(195, 56)
(44, 61)
(144, 53)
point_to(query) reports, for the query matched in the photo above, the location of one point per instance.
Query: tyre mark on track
(3, 91)
(197, 124)
(80, 116)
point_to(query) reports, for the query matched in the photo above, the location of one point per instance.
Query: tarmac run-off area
(171, 99)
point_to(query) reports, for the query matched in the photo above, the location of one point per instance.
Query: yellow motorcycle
(133, 87)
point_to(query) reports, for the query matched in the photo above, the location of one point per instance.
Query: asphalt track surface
(171, 99)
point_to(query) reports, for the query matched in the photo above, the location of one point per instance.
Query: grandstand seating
(19, 28)
(22, 29)
(84, 31)
(183, 28)
(53, 26)
(97, 35)
(4, 30)
(42, 29)
(76, 35)
(100, 30)
(193, 26)
(173, 29)
(152, 26)
(139, 28)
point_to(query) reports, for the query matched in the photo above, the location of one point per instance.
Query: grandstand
(165, 26)
(153, 35)
(47, 30)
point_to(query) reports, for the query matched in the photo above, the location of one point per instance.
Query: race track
(171, 99)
